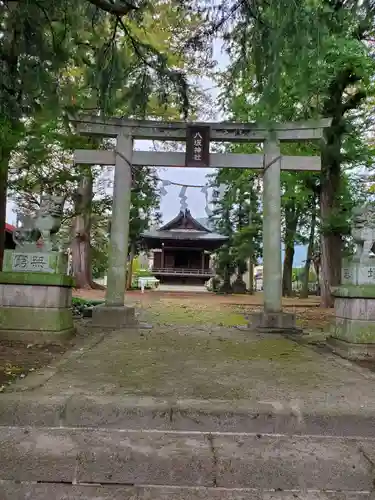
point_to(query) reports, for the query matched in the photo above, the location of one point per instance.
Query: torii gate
(114, 312)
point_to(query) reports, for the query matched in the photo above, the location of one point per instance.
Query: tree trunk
(317, 265)
(251, 277)
(310, 249)
(10, 117)
(288, 271)
(334, 107)
(291, 222)
(4, 160)
(129, 276)
(226, 286)
(330, 267)
(331, 241)
(80, 245)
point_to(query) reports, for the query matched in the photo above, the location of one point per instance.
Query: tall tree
(221, 220)
(333, 78)
(45, 42)
(310, 245)
(236, 215)
(128, 66)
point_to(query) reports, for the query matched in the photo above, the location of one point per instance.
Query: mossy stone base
(44, 279)
(350, 350)
(354, 291)
(267, 322)
(35, 296)
(35, 324)
(35, 318)
(355, 314)
(354, 330)
(51, 337)
(113, 316)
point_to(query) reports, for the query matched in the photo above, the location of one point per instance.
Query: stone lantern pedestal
(35, 290)
(353, 334)
(35, 298)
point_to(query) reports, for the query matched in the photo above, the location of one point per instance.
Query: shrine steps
(110, 463)
(34, 491)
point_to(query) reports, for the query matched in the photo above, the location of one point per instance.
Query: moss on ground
(193, 312)
(171, 364)
(172, 313)
(192, 353)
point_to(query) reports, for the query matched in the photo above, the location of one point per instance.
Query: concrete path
(186, 413)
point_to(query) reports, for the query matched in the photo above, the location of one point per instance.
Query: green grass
(181, 314)
(189, 313)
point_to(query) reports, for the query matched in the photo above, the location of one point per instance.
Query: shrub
(79, 305)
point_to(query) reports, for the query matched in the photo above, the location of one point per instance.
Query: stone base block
(36, 279)
(36, 307)
(38, 325)
(355, 314)
(350, 350)
(35, 318)
(38, 336)
(113, 316)
(356, 302)
(39, 296)
(355, 331)
(273, 322)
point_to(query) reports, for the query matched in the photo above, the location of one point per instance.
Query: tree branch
(353, 101)
(368, 20)
(118, 8)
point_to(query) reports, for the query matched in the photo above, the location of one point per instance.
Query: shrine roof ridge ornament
(220, 131)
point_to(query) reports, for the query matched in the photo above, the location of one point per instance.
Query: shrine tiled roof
(183, 235)
(184, 227)
(183, 218)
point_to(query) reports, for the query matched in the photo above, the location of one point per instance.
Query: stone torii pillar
(272, 267)
(272, 318)
(119, 239)
(115, 313)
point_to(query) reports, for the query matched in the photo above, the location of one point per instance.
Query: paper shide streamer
(182, 195)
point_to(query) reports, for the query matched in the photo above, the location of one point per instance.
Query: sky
(170, 203)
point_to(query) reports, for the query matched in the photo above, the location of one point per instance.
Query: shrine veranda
(198, 137)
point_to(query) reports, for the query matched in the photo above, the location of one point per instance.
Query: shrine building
(182, 250)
